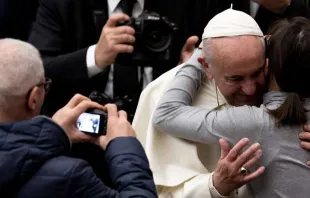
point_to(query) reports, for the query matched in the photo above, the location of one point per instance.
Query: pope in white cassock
(183, 169)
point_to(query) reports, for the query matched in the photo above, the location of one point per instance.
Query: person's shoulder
(62, 166)
(160, 82)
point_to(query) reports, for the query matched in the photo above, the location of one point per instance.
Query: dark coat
(33, 164)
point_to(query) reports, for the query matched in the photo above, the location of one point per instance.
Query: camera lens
(156, 37)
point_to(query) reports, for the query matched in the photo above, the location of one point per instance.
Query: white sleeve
(200, 186)
(92, 69)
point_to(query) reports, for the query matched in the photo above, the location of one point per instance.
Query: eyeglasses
(46, 84)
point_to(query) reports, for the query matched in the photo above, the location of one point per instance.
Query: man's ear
(34, 99)
(206, 67)
(266, 70)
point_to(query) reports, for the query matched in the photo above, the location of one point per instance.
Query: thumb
(224, 148)
(190, 44)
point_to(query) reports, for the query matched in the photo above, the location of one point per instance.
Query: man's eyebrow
(258, 70)
(239, 76)
(231, 77)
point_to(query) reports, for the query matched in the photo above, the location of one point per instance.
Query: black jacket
(16, 17)
(33, 164)
(266, 18)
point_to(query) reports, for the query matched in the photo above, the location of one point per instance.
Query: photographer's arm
(128, 165)
(48, 35)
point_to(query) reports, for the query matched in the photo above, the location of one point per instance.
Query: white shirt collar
(114, 3)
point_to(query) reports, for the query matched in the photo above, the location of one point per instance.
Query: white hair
(21, 69)
(208, 50)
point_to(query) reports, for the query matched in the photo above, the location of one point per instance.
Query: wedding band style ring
(243, 171)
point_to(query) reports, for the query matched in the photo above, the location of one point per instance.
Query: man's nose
(249, 88)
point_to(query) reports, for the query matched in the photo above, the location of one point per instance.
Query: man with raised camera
(33, 148)
(80, 41)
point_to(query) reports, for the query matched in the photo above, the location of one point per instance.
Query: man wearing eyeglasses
(33, 149)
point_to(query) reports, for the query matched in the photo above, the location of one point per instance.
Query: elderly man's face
(238, 67)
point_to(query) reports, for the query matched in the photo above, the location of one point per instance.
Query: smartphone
(93, 122)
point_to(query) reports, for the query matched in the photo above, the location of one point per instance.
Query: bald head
(21, 69)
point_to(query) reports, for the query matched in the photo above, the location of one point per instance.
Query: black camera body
(124, 103)
(93, 122)
(154, 38)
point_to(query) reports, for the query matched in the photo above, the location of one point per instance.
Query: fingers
(234, 152)
(114, 19)
(190, 43)
(304, 136)
(305, 145)
(112, 111)
(122, 115)
(124, 30)
(253, 160)
(245, 156)
(123, 48)
(84, 105)
(307, 128)
(254, 175)
(224, 148)
(124, 38)
(77, 99)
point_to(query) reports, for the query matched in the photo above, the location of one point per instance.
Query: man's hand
(188, 49)
(114, 40)
(227, 176)
(274, 5)
(305, 139)
(118, 126)
(67, 118)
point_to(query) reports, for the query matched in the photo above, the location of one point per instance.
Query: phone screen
(89, 123)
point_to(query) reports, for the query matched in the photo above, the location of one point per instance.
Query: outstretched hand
(188, 49)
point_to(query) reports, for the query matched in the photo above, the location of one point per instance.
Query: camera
(124, 103)
(93, 122)
(154, 38)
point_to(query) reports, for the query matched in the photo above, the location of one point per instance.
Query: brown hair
(288, 51)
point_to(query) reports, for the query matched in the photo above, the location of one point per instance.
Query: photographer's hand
(114, 40)
(118, 126)
(188, 49)
(67, 118)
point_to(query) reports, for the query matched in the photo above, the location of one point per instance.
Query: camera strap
(100, 14)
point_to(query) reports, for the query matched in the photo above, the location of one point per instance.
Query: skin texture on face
(238, 68)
